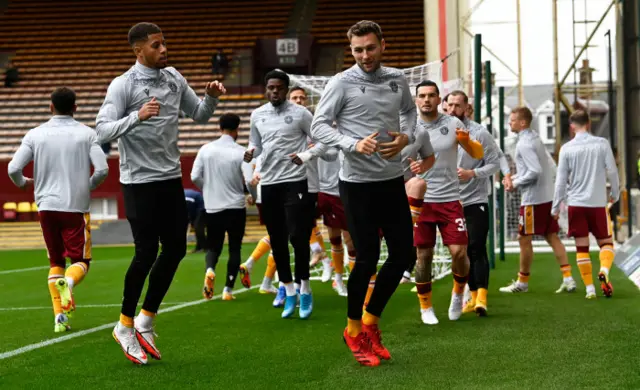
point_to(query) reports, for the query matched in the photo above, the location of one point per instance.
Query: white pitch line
(46, 343)
(79, 306)
(13, 271)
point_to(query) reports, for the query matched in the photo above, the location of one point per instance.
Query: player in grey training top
(585, 164)
(534, 175)
(220, 171)
(474, 194)
(375, 117)
(279, 131)
(141, 110)
(441, 209)
(63, 151)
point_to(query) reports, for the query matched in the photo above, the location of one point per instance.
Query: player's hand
(556, 215)
(417, 167)
(149, 109)
(390, 149)
(466, 174)
(367, 145)
(462, 135)
(300, 158)
(248, 155)
(255, 179)
(250, 200)
(507, 182)
(215, 89)
(28, 182)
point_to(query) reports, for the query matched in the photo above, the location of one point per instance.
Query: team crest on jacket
(173, 87)
(444, 130)
(394, 86)
(288, 119)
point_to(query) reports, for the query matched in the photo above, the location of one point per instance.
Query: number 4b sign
(287, 47)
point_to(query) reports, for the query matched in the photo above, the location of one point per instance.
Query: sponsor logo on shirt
(288, 119)
(444, 130)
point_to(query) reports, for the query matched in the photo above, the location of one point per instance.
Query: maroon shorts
(585, 220)
(537, 220)
(66, 235)
(332, 211)
(448, 218)
(259, 207)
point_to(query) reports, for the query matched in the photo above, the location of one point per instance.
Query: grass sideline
(534, 340)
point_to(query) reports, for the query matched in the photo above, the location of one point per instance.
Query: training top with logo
(584, 165)
(329, 171)
(420, 148)
(278, 132)
(535, 170)
(149, 149)
(442, 178)
(361, 104)
(476, 189)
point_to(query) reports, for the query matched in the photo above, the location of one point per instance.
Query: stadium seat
(24, 211)
(9, 212)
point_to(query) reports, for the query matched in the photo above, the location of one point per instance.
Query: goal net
(314, 86)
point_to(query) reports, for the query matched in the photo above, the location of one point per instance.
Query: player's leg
(236, 220)
(395, 222)
(299, 214)
(358, 200)
(424, 238)
(199, 226)
(55, 251)
(415, 188)
(273, 212)
(263, 247)
(215, 240)
(600, 224)
(477, 221)
(173, 209)
(548, 226)
(140, 206)
(76, 234)
(525, 236)
(337, 256)
(579, 230)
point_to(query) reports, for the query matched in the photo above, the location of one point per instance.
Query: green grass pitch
(537, 340)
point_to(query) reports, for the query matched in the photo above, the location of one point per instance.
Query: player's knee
(416, 188)
(59, 263)
(336, 241)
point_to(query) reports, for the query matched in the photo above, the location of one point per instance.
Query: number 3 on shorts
(462, 227)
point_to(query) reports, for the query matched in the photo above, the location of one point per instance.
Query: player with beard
(442, 208)
(474, 194)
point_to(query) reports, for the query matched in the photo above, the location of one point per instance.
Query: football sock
(606, 258)
(76, 273)
(424, 294)
(54, 274)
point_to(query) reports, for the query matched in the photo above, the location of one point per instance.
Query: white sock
(70, 281)
(266, 283)
(249, 263)
(305, 288)
(227, 289)
(406, 274)
(315, 247)
(296, 286)
(326, 261)
(121, 329)
(605, 270)
(291, 290)
(338, 278)
(143, 321)
(568, 279)
(211, 270)
(591, 289)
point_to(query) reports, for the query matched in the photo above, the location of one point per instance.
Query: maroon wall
(109, 189)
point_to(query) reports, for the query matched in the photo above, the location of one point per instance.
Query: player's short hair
(580, 118)
(63, 99)
(363, 28)
(229, 122)
(458, 92)
(523, 113)
(141, 32)
(297, 88)
(428, 83)
(277, 74)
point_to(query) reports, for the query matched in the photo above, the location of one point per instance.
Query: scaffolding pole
(520, 86)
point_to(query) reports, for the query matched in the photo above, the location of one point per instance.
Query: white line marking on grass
(46, 343)
(13, 271)
(80, 306)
